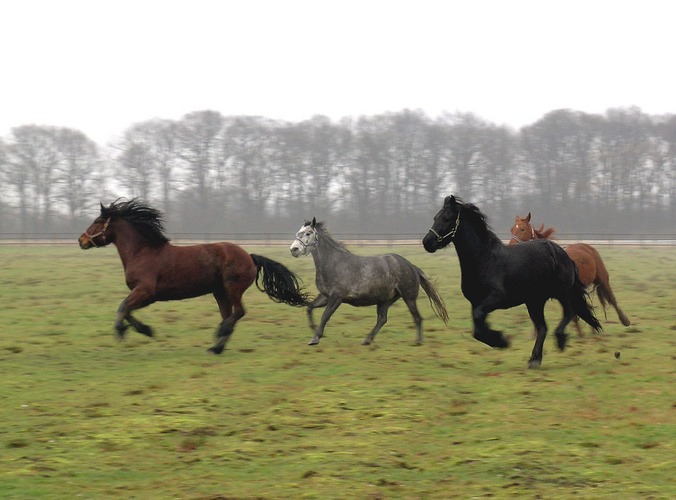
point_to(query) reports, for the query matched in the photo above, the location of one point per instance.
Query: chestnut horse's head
(522, 230)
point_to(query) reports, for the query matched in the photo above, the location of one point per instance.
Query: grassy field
(86, 416)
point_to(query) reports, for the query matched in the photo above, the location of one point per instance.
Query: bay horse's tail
(435, 299)
(581, 305)
(280, 283)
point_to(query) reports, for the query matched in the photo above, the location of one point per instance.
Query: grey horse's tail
(435, 299)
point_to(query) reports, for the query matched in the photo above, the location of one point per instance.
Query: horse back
(191, 271)
(588, 262)
(368, 280)
(537, 267)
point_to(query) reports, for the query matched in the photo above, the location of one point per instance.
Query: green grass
(84, 415)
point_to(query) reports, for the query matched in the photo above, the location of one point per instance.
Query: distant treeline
(589, 175)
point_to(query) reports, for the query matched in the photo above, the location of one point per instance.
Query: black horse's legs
(382, 319)
(536, 311)
(482, 332)
(320, 301)
(568, 315)
(332, 304)
(413, 308)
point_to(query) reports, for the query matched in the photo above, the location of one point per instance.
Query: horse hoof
(534, 363)
(561, 341)
(146, 331)
(215, 350)
(503, 343)
(313, 342)
(366, 342)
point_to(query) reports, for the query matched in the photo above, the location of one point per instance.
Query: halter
(100, 233)
(451, 233)
(532, 236)
(309, 246)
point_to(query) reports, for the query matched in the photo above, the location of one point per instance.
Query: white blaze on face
(304, 237)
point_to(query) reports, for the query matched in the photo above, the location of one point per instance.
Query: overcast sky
(100, 65)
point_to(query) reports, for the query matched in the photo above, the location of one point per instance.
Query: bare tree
(79, 180)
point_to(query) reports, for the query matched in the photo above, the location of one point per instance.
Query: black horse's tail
(435, 299)
(279, 282)
(581, 305)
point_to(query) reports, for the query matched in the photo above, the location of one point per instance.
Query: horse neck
(474, 249)
(128, 241)
(327, 252)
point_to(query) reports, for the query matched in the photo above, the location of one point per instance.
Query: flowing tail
(603, 290)
(581, 305)
(279, 282)
(435, 299)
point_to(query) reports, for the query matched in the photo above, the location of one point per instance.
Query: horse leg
(568, 316)
(138, 298)
(231, 312)
(536, 311)
(482, 332)
(331, 305)
(320, 301)
(578, 328)
(382, 319)
(413, 308)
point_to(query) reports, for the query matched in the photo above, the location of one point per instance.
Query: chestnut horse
(156, 270)
(589, 264)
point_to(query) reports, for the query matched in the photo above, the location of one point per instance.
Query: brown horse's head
(98, 234)
(522, 230)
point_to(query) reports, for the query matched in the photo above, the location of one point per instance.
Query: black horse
(496, 276)
(378, 280)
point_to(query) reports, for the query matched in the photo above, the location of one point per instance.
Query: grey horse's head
(306, 239)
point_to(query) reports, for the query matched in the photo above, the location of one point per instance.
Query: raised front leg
(137, 299)
(331, 306)
(320, 301)
(482, 332)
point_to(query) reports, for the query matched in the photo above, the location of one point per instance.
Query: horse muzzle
(85, 242)
(430, 242)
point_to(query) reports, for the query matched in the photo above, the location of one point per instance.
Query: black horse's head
(445, 225)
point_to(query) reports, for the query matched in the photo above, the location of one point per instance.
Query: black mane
(479, 221)
(147, 220)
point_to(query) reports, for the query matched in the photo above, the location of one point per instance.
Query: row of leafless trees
(608, 174)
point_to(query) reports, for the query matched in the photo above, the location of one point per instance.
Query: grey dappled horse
(343, 277)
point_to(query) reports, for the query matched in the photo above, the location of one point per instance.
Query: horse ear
(449, 200)
(528, 217)
(102, 207)
(314, 222)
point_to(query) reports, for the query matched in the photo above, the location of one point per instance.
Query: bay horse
(156, 270)
(343, 277)
(497, 276)
(589, 264)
